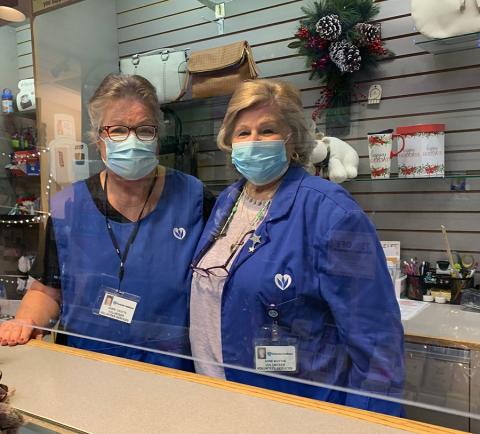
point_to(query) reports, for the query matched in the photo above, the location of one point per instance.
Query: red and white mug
(380, 152)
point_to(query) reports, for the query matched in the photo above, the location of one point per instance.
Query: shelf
(214, 101)
(469, 41)
(24, 176)
(394, 177)
(29, 114)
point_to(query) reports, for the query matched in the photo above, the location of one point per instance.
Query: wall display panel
(417, 88)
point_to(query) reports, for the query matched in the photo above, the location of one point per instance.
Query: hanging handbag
(446, 18)
(165, 68)
(178, 150)
(219, 70)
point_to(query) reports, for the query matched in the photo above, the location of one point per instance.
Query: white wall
(417, 87)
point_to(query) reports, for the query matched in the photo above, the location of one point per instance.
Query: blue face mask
(261, 162)
(131, 159)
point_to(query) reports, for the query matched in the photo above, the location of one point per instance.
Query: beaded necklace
(251, 225)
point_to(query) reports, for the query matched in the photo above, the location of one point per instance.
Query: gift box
(26, 163)
(424, 152)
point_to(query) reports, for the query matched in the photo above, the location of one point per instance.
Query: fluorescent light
(11, 14)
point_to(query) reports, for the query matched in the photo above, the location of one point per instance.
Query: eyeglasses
(222, 270)
(119, 133)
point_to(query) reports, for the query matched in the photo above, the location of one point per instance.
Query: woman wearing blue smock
(118, 270)
(289, 276)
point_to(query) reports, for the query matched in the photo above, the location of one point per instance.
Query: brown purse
(219, 70)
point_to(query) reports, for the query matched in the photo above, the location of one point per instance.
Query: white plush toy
(342, 162)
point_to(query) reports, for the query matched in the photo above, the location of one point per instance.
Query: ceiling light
(9, 13)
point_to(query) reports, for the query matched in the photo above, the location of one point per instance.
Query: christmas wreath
(339, 43)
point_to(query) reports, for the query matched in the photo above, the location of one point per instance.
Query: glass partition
(316, 233)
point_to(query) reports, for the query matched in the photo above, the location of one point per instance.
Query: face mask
(131, 159)
(261, 162)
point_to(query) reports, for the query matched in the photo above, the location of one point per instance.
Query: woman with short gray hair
(120, 242)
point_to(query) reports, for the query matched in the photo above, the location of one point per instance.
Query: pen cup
(415, 286)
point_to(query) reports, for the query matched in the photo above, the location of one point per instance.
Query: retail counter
(445, 324)
(101, 394)
(443, 364)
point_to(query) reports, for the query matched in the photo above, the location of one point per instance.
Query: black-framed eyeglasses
(119, 133)
(222, 270)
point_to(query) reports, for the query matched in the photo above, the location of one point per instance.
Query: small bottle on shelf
(7, 101)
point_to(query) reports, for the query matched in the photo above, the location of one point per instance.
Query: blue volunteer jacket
(321, 264)
(157, 271)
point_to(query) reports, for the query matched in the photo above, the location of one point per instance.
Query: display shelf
(220, 185)
(468, 41)
(25, 176)
(214, 101)
(394, 177)
(29, 114)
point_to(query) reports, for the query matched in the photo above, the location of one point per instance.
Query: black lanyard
(133, 234)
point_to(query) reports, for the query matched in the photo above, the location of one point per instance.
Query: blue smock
(156, 270)
(321, 265)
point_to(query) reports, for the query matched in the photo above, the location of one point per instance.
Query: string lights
(32, 154)
(3, 280)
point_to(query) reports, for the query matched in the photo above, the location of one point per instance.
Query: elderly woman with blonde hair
(120, 243)
(289, 263)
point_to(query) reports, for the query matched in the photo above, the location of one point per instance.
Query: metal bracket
(219, 22)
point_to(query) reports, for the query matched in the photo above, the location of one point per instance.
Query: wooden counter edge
(311, 404)
(443, 342)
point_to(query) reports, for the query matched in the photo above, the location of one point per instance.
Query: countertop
(102, 394)
(445, 324)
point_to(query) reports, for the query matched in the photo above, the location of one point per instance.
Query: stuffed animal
(10, 418)
(342, 160)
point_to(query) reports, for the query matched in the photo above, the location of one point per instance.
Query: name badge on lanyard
(117, 305)
(113, 303)
(275, 352)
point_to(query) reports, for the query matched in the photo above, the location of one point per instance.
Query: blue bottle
(7, 101)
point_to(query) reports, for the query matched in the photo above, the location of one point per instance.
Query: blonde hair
(115, 87)
(280, 94)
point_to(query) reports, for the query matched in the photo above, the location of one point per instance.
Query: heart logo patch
(179, 233)
(283, 281)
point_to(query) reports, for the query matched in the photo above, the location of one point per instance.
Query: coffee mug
(380, 152)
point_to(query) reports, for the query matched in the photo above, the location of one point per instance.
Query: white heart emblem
(283, 281)
(179, 233)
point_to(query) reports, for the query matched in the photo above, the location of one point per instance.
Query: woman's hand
(18, 332)
(39, 307)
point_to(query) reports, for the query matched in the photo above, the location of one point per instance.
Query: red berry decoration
(320, 63)
(376, 47)
(302, 33)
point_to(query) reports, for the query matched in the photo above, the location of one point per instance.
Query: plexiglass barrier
(295, 237)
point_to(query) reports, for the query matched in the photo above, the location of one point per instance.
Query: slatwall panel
(417, 87)
(24, 50)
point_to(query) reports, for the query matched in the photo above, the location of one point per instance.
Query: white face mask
(131, 159)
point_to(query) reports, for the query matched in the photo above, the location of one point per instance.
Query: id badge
(117, 305)
(275, 351)
(275, 357)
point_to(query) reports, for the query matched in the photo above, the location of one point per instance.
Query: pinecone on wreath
(329, 27)
(367, 33)
(346, 56)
